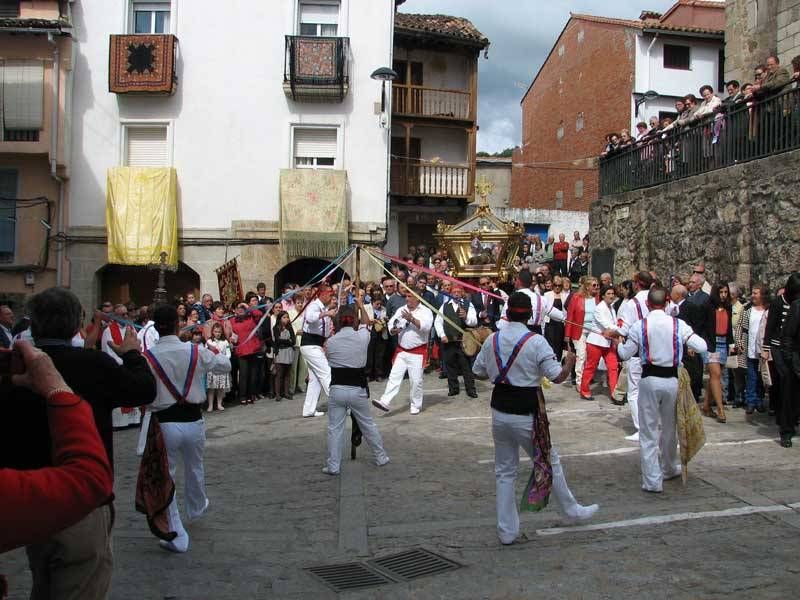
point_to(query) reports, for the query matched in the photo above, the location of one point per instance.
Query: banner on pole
(230, 284)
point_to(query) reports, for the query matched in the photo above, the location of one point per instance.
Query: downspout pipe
(54, 149)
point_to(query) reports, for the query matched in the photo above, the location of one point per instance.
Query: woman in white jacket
(597, 346)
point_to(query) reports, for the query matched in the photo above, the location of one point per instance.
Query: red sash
(421, 350)
(116, 334)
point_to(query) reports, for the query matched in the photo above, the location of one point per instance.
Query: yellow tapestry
(691, 435)
(313, 212)
(142, 215)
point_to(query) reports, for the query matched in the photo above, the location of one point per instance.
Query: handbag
(766, 376)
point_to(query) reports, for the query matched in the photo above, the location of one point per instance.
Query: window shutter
(317, 143)
(319, 13)
(8, 189)
(23, 94)
(9, 8)
(147, 147)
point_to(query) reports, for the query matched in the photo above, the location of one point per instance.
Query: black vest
(453, 334)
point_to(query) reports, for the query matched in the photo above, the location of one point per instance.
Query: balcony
(418, 101)
(412, 177)
(142, 64)
(745, 132)
(315, 68)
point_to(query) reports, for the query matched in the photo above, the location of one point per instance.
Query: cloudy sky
(522, 32)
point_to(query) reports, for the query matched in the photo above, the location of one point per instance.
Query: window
(9, 8)
(146, 146)
(21, 100)
(581, 35)
(677, 57)
(319, 18)
(8, 214)
(579, 189)
(561, 50)
(314, 148)
(559, 199)
(560, 130)
(150, 17)
(579, 122)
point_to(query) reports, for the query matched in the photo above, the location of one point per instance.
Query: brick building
(592, 83)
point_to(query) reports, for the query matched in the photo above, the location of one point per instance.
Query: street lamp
(647, 96)
(383, 74)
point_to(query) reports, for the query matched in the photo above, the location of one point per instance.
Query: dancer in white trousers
(147, 336)
(412, 325)
(515, 359)
(180, 369)
(629, 315)
(656, 344)
(347, 355)
(317, 327)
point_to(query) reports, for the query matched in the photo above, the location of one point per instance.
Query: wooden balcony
(437, 180)
(433, 103)
(142, 64)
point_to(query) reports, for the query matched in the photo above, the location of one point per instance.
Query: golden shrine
(482, 244)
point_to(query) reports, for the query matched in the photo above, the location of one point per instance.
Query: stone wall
(743, 222)
(788, 23)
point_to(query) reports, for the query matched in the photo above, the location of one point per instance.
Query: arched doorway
(301, 271)
(123, 283)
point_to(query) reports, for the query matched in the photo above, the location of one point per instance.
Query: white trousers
(343, 397)
(319, 377)
(634, 376)
(186, 441)
(143, 432)
(120, 419)
(405, 361)
(510, 433)
(658, 436)
(580, 359)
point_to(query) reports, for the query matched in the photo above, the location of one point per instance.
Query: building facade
(242, 113)
(36, 64)
(434, 125)
(592, 83)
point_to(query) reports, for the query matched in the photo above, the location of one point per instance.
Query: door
(405, 167)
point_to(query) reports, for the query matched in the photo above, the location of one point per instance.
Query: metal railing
(316, 62)
(411, 177)
(431, 102)
(739, 133)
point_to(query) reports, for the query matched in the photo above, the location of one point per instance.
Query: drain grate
(349, 576)
(413, 564)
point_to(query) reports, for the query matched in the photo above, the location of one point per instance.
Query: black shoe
(442, 375)
(771, 412)
(761, 408)
(453, 393)
(472, 394)
(786, 441)
(589, 398)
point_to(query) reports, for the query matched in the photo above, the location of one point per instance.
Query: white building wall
(650, 73)
(230, 120)
(443, 70)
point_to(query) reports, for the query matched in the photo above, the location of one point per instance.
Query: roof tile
(458, 28)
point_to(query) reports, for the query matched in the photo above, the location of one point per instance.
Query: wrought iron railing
(410, 177)
(316, 66)
(431, 102)
(738, 133)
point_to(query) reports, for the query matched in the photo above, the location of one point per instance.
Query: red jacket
(36, 504)
(576, 313)
(560, 250)
(242, 328)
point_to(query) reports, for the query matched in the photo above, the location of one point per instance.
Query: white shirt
(107, 337)
(147, 336)
(658, 339)
(174, 357)
(633, 311)
(77, 341)
(752, 333)
(542, 307)
(348, 348)
(605, 317)
(534, 361)
(409, 336)
(471, 319)
(314, 322)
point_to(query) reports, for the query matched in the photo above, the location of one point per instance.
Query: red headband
(347, 321)
(519, 310)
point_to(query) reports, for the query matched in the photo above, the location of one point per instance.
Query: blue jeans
(754, 390)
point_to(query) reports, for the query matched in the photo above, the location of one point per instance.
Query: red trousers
(593, 356)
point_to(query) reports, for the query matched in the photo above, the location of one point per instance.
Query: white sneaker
(633, 437)
(317, 413)
(200, 514)
(327, 471)
(414, 410)
(385, 461)
(380, 405)
(172, 547)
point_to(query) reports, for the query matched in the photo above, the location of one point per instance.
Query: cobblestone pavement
(273, 513)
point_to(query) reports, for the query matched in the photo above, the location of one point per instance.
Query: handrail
(419, 100)
(412, 177)
(305, 65)
(738, 133)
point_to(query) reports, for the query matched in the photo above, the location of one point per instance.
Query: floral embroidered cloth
(537, 491)
(691, 434)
